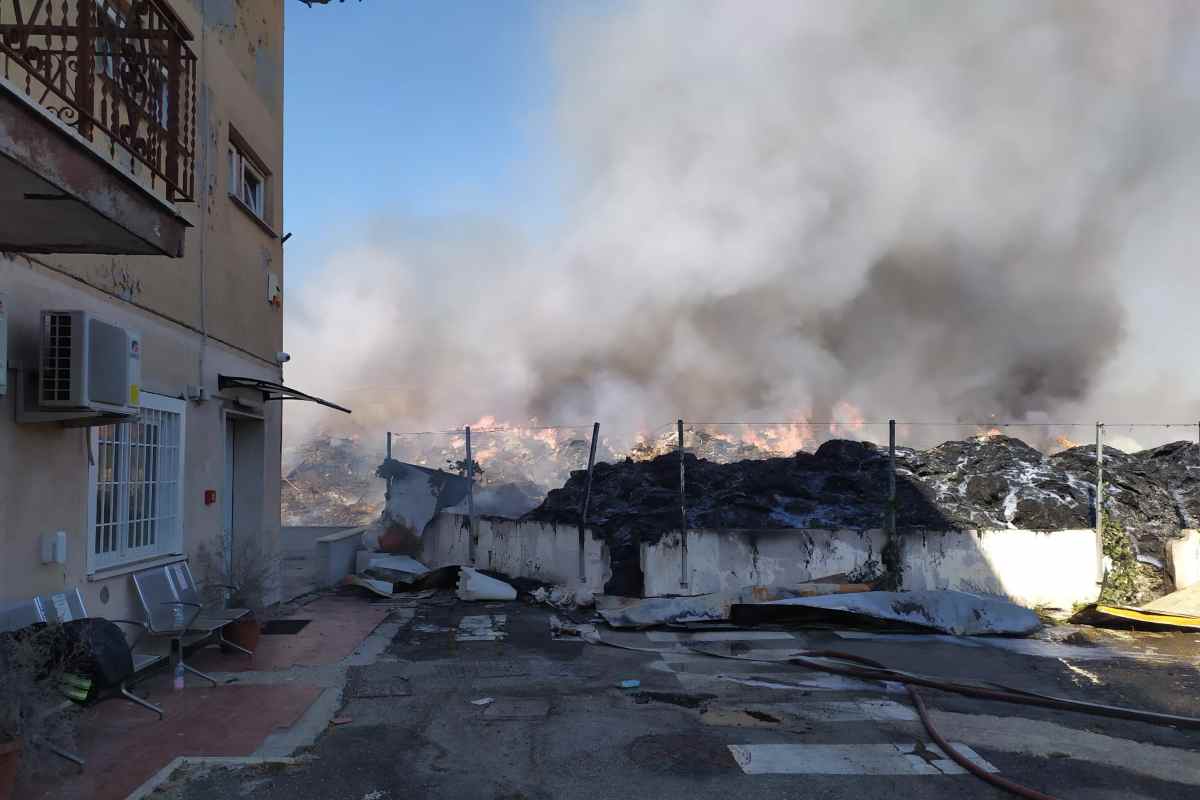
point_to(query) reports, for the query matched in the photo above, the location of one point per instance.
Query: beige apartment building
(141, 150)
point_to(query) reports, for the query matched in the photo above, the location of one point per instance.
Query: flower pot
(10, 763)
(243, 633)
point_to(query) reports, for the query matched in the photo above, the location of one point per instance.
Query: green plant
(246, 582)
(38, 672)
(1120, 581)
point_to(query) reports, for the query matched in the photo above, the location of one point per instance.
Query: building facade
(141, 151)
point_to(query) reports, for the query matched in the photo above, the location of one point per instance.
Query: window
(247, 182)
(136, 486)
(109, 63)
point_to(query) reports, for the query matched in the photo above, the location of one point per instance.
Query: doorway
(242, 490)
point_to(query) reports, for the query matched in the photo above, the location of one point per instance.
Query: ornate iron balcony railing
(119, 71)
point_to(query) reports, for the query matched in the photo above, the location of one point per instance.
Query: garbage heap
(984, 482)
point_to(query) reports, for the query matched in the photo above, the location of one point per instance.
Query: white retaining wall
(1185, 558)
(1032, 568)
(729, 560)
(539, 550)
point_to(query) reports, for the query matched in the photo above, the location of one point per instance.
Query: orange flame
(1065, 443)
(848, 418)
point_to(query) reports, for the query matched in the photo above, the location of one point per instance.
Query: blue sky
(413, 110)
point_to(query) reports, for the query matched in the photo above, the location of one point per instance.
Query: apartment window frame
(249, 178)
(136, 486)
(106, 60)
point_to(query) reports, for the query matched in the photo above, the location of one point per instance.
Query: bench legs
(226, 643)
(58, 751)
(200, 674)
(128, 695)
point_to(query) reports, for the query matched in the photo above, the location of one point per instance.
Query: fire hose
(865, 669)
(873, 670)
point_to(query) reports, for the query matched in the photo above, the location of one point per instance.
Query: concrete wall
(200, 316)
(45, 466)
(335, 552)
(220, 283)
(1032, 568)
(537, 550)
(1184, 554)
(728, 560)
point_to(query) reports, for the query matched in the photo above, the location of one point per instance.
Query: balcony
(97, 126)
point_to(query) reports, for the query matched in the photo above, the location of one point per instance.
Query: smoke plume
(928, 210)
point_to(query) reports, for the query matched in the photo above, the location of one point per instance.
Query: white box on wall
(274, 290)
(54, 547)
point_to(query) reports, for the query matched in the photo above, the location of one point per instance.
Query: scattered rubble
(474, 585)
(947, 611)
(563, 598)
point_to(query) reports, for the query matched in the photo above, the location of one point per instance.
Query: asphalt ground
(558, 725)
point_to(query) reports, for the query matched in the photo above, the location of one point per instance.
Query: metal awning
(272, 391)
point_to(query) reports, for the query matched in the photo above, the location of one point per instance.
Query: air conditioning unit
(88, 365)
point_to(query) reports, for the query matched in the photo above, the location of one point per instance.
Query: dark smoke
(947, 211)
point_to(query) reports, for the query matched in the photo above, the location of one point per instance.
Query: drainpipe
(205, 200)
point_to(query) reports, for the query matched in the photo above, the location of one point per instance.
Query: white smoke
(930, 210)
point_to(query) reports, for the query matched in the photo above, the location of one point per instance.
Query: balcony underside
(59, 196)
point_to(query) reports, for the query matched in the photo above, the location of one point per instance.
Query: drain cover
(284, 627)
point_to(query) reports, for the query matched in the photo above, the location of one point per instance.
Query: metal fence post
(387, 491)
(472, 544)
(583, 506)
(891, 508)
(1100, 498)
(683, 523)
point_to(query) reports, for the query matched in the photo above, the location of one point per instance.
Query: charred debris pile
(983, 482)
(330, 480)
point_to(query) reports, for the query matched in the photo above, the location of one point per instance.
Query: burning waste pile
(984, 482)
(330, 480)
(989, 481)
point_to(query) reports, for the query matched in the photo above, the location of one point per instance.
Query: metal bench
(62, 607)
(174, 608)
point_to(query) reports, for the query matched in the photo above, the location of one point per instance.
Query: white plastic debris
(563, 631)
(366, 559)
(473, 585)
(663, 610)
(483, 701)
(946, 610)
(564, 598)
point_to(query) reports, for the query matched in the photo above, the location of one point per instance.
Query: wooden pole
(683, 524)
(583, 505)
(471, 537)
(891, 508)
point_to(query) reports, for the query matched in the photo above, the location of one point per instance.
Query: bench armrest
(142, 626)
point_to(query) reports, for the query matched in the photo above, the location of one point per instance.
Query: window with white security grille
(136, 485)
